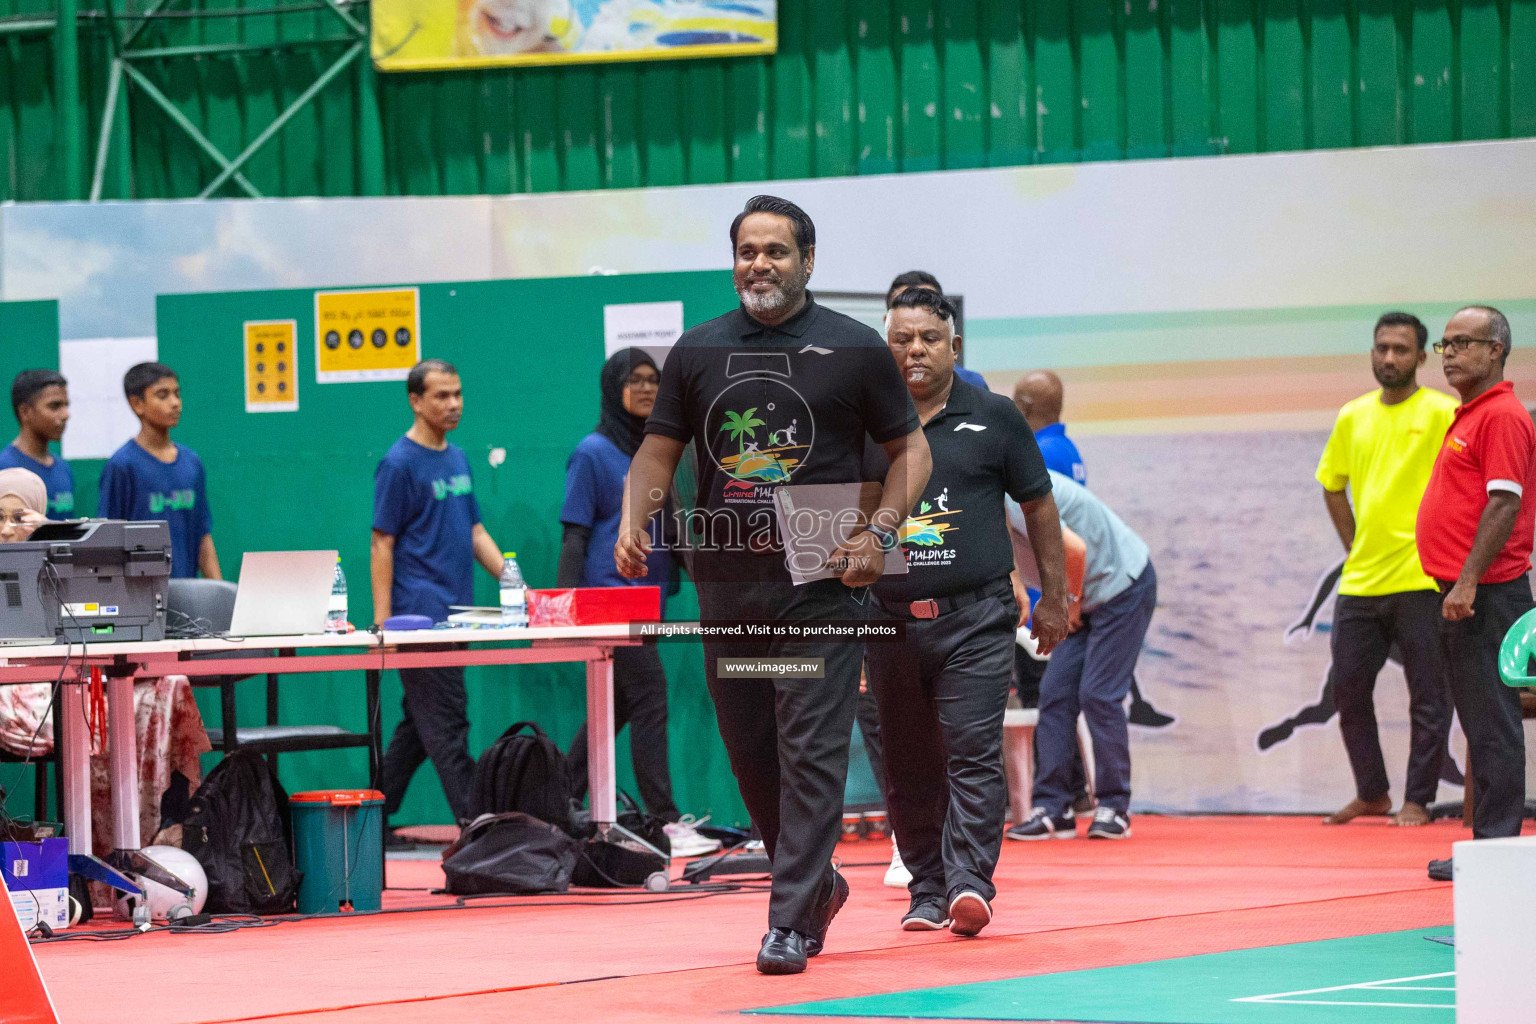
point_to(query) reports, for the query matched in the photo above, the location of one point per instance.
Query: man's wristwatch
(886, 538)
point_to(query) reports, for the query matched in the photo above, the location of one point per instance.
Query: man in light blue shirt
(1039, 396)
(1090, 671)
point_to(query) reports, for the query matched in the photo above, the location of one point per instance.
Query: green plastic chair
(1516, 651)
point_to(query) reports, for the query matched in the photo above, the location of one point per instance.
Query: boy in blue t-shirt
(153, 477)
(40, 400)
(427, 537)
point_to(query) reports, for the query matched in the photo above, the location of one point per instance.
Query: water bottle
(336, 616)
(514, 592)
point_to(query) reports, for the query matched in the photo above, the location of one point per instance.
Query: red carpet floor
(1179, 887)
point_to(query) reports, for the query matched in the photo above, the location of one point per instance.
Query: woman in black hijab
(594, 498)
(627, 400)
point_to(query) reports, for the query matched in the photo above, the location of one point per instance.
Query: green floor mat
(1394, 978)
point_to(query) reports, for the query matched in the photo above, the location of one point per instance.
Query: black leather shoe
(1440, 870)
(825, 913)
(783, 952)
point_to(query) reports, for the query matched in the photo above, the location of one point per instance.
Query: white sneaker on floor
(686, 840)
(897, 876)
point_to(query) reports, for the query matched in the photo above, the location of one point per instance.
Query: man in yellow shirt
(1382, 449)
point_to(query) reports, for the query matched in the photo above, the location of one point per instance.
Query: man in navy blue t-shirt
(427, 536)
(40, 400)
(153, 477)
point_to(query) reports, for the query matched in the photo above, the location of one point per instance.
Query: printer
(87, 581)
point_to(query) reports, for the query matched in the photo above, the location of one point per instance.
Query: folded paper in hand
(816, 519)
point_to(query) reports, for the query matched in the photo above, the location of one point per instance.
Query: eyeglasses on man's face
(1458, 344)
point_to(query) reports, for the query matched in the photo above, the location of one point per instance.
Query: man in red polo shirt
(1474, 536)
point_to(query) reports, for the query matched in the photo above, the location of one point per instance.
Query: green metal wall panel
(858, 87)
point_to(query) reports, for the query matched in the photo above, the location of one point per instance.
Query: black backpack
(524, 773)
(239, 829)
(511, 853)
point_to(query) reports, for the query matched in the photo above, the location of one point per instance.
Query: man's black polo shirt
(957, 538)
(773, 405)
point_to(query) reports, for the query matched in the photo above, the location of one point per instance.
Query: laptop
(283, 593)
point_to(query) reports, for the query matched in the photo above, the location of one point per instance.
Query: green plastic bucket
(338, 846)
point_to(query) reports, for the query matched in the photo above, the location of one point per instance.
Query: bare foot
(1356, 807)
(1411, 814)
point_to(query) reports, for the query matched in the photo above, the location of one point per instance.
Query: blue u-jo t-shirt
(136, 485)
(57, 478)
(594, 497)
(425, 500)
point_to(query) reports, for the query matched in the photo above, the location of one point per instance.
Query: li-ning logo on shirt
(817, 349)
(454, 486)
(176, 501)
(969, 426)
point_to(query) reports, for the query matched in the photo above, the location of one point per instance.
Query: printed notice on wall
(366, 335)
(653, 326)
(100, 419)
(271, 376)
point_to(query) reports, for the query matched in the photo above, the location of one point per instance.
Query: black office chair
(211, 605)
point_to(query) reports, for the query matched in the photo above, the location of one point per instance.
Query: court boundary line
(1384, 985)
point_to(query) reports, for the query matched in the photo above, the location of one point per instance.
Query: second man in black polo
(943, 690)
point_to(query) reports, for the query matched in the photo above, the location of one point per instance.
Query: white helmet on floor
(166, 904)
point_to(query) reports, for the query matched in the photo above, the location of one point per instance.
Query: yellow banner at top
(434, 35)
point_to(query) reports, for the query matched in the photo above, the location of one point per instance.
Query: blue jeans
(1090, 672)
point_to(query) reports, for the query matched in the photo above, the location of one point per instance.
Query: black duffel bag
(510, 853)
(619, 861)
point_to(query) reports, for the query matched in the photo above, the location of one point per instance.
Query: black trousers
(942, 695)
(639, 701)
(787, 739)
(1489, 710)
(436, 726)
(1364, 629)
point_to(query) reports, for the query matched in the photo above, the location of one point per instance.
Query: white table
(372, 653)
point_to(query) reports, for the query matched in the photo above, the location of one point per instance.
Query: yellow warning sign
(366, 335)
(271, 376)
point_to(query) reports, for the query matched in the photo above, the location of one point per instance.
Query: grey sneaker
(1109, 823)
(1040, 825)
(926, 914)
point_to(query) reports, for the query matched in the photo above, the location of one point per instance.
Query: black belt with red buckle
(933, 607)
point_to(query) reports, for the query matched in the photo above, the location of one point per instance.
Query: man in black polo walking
(942, 691)
(780, 390)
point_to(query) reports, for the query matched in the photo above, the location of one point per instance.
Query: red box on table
(592, 606)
